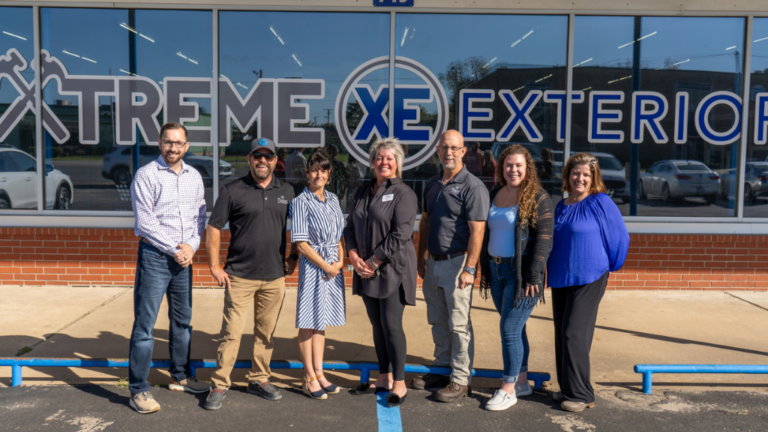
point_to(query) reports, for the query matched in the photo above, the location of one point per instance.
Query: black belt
(446, 257)
(498, 260)
(144, 240)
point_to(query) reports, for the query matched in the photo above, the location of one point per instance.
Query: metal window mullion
(568, 90)
(215, 105)
(745, 91)
(39, 144)
(392, 29)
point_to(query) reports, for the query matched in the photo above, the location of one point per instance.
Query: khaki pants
(267, 299)
(448, 314)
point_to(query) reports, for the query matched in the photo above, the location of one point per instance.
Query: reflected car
(677, 179)
(755, 182)
(116, 165)
(18, 182)
(613, 172)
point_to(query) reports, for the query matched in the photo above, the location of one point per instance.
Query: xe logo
(406, 116)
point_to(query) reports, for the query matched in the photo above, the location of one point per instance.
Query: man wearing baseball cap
(256, 208)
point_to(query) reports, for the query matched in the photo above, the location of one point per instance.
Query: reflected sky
(16, 32)
(168, 43)
(500, 40)
(685, 43)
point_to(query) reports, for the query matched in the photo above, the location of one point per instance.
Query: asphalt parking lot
(91, 408)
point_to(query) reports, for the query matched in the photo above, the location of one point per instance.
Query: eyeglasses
(177, 144)
(268, 157)
(450, 149)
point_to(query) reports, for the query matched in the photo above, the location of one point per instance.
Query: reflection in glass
(504, 77)
(662, 96)
(93, 56)
(756, 173)
(18, 167)
(303, 59)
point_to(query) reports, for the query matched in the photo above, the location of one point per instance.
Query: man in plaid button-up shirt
(169, 205)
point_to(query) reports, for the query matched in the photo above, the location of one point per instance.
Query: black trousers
(386, 316)
(575, 314)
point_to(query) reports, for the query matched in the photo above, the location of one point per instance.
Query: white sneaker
(500, 401)
(525, 390)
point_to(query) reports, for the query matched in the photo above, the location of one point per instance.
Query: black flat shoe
(382, 390)
(394, 400)
(364, 389)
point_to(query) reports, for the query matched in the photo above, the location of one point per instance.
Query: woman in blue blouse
(317, 224)
(590, 241)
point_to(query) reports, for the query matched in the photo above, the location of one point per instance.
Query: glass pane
(756, 178)
(290, 76)
(18, 167)
(112, 78)
(661, 89)
(504, 79)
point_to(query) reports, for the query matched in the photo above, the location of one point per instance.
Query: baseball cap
(263, 143)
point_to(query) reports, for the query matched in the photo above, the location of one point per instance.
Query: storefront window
(661, 95)
(502, 81)
(293, 77)
(756, 172)
(111, 78)
(18, 165)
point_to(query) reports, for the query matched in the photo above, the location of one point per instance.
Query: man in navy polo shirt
(256, 208)
(450, 238)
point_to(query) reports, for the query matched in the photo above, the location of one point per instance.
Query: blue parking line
(389, 418)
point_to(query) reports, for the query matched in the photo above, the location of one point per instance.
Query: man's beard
(259, 176)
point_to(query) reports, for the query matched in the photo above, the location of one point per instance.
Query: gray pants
(448, 314)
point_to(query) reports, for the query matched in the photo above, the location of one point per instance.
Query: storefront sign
(276, 104)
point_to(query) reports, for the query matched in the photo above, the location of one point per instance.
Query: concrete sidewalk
(633, 328)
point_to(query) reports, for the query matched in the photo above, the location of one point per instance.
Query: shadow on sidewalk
(669, 338)
(204, 346)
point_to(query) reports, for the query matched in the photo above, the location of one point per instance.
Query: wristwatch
(294, 257)
(470, 270)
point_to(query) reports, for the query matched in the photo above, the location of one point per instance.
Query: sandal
(363, 389)
(394, 400)
(367, 388)
(331, 389)
(320, 395)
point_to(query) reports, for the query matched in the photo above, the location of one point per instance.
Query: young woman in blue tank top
(517, 242)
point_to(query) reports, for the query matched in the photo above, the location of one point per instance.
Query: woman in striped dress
(317, 226)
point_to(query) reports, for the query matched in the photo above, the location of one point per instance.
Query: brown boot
(430, 381)
(453, 392)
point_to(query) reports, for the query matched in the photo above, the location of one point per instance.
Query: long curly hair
(526, 196)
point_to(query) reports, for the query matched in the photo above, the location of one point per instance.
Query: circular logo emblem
(263, 142)
(432, 85)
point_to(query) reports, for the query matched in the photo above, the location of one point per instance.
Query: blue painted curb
(649, 370)
(16, 364)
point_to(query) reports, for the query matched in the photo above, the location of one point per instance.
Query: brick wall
(68, 256)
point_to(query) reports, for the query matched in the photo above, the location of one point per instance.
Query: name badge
(386, 198)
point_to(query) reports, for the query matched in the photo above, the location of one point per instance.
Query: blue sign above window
(393, 3)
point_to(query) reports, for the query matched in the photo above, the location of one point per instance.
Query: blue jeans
(157, 274)
(514, 341)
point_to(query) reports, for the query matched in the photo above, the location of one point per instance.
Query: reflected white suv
(117, 163)
(18, 182)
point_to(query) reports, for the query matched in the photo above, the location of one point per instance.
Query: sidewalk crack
(746, 301)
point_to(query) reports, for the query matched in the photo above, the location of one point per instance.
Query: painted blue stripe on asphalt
(389, 418)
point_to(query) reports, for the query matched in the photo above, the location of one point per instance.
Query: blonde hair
(589, 159)
(391, 144)
(529, 207)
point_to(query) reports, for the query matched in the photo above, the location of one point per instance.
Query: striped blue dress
(320, 302)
